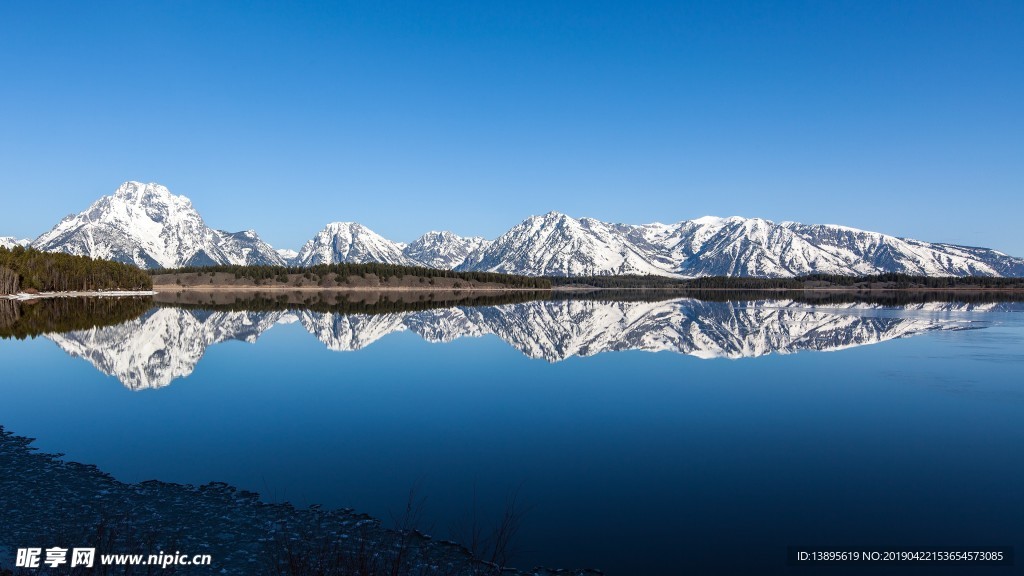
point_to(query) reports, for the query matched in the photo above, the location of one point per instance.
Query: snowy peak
(738, 246)
(152, 195)
(558, 245)
(288, 256)
(443, 250)
(10, 242)
(350, 242)
(871, 252)
(245, 248)
(146, 225)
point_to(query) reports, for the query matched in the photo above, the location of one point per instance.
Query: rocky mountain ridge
(146, 225)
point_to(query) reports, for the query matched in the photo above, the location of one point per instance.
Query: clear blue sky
(901, 117)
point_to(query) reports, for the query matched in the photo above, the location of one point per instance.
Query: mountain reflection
(166, 343)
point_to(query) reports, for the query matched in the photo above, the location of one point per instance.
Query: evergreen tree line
(382, 271)
(29, 269)
(883, 297)
(895, 280)
(339, 303)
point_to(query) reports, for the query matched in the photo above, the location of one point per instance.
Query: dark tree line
(883, 297)
(892, 280)
(30, 319)
(899, 280)
(382, 271)
(29, 269)
(339, 303)
(629, 281)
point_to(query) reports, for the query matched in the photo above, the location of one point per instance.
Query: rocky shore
(46, 501)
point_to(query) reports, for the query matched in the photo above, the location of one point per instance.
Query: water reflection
(154, 348)
(31, 318)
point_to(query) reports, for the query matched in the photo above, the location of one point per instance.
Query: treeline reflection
(22, 319)
(31, 318)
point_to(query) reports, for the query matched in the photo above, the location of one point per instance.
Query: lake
(662, 434)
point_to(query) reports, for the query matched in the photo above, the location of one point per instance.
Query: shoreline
(813, 289)
(21, 296)
(173, 288)
(169, 288)
(50, 497)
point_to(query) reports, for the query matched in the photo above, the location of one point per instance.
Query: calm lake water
(643, 437)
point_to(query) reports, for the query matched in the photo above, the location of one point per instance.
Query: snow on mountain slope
(443, 250)
(10, 242)
(871, 252)
(744, 247)
(146, 225)
(288, 256)
(244, 248)
(350, 242)
(558, 245)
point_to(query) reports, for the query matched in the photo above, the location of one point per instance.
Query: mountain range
(166, 343)
(146, 225)
(11, 242)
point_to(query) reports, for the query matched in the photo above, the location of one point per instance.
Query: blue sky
(901, 117)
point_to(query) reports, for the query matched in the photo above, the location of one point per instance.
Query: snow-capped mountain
(739, 247)
(146, 225)
(350, 242)
(10, 242)
(556, 244)
(871, 252)
(443, 250)
(167, 343)
(288, 256)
